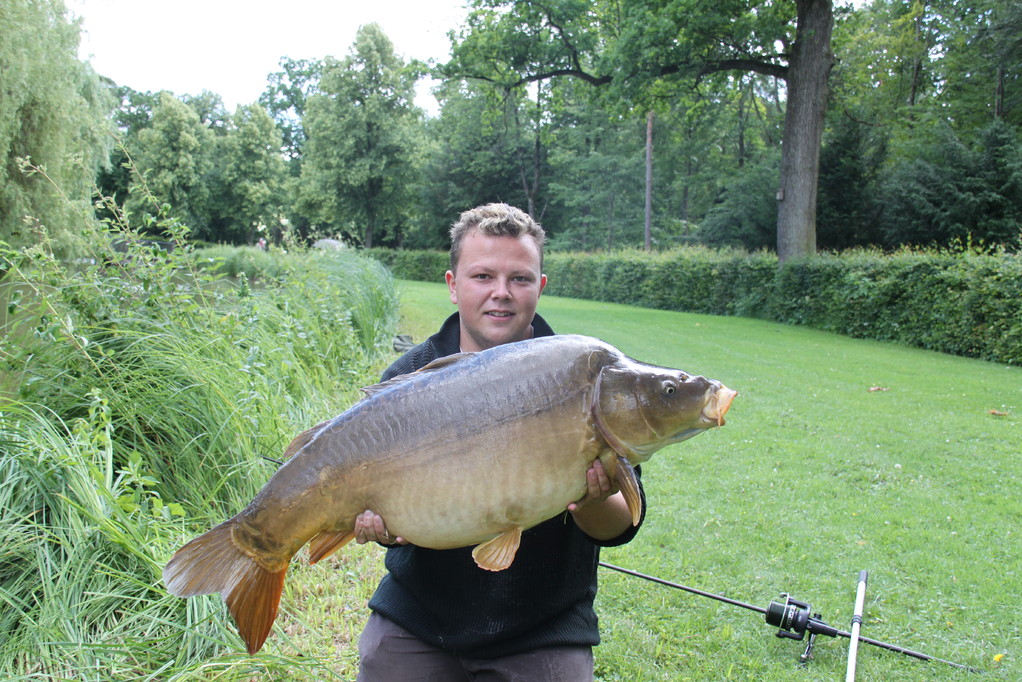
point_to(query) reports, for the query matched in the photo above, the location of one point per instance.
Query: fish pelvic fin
(628, 482)
(498, 553)
(213, 563)
(328, 542)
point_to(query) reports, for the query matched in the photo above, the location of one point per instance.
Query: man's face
(496, 288)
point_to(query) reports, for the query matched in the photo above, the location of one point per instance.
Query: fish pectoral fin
(328, 542)
(498, 553)
(628, 483)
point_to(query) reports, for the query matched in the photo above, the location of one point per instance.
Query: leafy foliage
(965, 302)
(175, 157)
(956, 192)
(913, 84)
(250, 178)
(745, 214)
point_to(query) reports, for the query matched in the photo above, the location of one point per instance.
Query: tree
(209, 107)
(954, 192)
(173, 158)
(745, 215)
(53, 115)
(286, 97)
(133, 114)
(595, 170)
(850, 163)
(806, 75)
(251, 177)
(911, 155)
(719, 163)
(980, 60)
(471, 158)
(360, 157)
(634, 45)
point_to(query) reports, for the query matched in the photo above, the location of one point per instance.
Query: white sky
(230, 46)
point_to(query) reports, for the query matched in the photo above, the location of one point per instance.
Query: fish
(470, 450)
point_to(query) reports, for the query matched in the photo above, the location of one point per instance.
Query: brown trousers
(389, 653)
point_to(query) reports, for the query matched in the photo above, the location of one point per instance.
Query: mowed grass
(838, 455)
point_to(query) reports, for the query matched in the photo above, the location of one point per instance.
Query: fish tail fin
(213, 563)
(254, 602)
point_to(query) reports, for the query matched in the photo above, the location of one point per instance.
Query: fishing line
(794, 619)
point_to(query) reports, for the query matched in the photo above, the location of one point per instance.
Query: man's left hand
(598, 487)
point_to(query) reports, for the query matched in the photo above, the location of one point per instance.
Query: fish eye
(669, 387)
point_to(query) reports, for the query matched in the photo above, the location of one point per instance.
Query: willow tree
(635, 47)
(53, 116)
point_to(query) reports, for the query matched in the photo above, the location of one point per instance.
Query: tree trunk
(999, 93)
(649, 180)
(808, 71)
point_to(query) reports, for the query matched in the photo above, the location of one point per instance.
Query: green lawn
(838, 455)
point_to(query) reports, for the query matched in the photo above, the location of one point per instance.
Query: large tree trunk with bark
(808, 71)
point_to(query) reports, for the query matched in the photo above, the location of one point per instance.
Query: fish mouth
(718, 405)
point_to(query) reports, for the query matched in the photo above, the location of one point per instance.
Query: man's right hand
(369, 527)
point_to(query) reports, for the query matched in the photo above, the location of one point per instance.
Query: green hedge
(966, 304)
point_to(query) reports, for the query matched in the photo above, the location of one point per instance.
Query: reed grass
(144, 395)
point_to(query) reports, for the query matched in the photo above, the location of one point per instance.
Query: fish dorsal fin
(439, 363)
(498, 553)
(628, 482)
(303, 439)
(327, 542)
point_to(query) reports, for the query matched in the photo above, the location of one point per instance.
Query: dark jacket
(544, 599)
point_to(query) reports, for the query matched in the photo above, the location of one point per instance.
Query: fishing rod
(794, 619)
(853, 646)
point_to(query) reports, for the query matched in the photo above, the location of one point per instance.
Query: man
(438, 616)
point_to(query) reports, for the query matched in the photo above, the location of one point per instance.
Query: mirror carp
(472, 449)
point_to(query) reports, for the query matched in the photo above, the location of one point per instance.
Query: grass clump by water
(142, 393)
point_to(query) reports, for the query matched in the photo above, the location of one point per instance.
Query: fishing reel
(793, 620)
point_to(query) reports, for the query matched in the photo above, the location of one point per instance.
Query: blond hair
(495, 220)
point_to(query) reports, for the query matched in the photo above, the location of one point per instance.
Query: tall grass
(144, 392)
